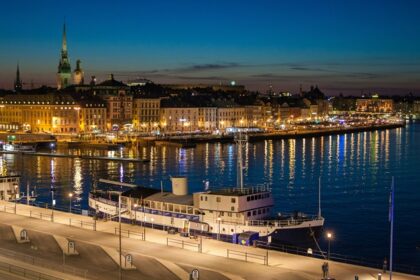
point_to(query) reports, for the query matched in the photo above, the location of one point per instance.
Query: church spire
(64, 42)
(18, 81)
(64, 68)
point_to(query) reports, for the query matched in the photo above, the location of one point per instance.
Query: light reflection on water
(356, 172)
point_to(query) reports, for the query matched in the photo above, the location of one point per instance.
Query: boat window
(229, 214)
(233, 200)
(254, 213)
(232, 208)
(248, 198)
(224, 229)
(248, 214)
(222, 213)
(218, 199)
(211, 228)
(201, 198)
(231, 230)
(205, 198)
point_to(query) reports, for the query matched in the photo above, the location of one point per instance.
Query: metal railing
(43, 263)
(129, 233)
(233, 254)
(335, 257)
(26, 273)
(82, 224)
(40, 215)
(182, 244)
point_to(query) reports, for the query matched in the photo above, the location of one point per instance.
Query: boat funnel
(179, 185)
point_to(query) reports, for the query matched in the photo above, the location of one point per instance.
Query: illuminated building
(146, 112)
(92, 115)
(375, 105)
(52, 113)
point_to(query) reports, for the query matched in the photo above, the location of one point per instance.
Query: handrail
(25, 272)
(247, 255)
(335, 257)
(183, 243)
(43, 263)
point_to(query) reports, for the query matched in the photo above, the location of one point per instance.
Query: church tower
(18, 81)
(64, 68)
(78, 75)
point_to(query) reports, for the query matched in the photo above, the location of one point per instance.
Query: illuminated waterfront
(356, 171)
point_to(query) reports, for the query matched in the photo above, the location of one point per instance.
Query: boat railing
(246, 190)
(289, 221)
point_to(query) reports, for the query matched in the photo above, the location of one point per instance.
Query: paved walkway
(213, 258)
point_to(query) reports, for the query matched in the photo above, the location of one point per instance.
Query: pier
(155, 257)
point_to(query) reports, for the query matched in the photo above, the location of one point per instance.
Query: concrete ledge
(18, 232)
(175, 269)
(64, 244)
(115, 256)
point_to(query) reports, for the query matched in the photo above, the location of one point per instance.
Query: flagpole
(391, 217)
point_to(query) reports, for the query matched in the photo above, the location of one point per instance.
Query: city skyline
(372, 48)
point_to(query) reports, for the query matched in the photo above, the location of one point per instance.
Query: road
(212, 262)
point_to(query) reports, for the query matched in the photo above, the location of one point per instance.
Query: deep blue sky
(343, 46)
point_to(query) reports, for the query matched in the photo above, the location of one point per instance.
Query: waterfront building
(92, 115)
(119, 102)
(51, 113)
(228, 116)
(207, 118)
(374, 105)
(178, 119)
(146, 114)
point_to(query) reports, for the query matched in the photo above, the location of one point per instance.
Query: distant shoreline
(295, 134)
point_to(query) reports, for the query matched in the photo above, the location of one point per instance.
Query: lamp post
(135, 213)
(119, 235)
(70, 196)
(218, 231)
(16, 190)
(329, 237)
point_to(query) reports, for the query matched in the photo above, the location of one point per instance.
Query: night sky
(341, 46)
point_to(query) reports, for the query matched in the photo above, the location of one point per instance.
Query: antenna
(319, 197)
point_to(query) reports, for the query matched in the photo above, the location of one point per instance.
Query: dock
(122, 159)
(217, 260)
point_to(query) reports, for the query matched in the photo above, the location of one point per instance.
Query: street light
(135, 213)
(70, 196)
(16, 190)
(218, 232)
(329, 237)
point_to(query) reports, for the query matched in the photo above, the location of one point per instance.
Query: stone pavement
(213, 258)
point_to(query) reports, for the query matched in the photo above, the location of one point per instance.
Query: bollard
(356, 277)
(379, 276)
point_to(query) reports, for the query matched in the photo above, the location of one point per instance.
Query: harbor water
(356, 170)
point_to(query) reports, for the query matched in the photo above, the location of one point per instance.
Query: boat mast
(319, 197)
(240, 139)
